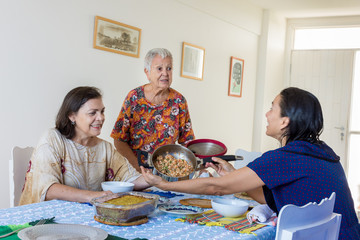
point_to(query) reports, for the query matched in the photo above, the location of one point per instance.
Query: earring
(72, 123)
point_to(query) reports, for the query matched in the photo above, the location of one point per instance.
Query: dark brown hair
(71, 104)
(305, 114)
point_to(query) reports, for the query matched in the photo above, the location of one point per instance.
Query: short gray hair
(162, 52)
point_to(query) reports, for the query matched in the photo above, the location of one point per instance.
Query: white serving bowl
(229, 207)
(117, 186)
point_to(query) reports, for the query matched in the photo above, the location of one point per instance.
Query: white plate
(62, 231)
(180, 209)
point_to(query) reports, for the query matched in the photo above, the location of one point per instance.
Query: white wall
(269, 76)
(46, 50)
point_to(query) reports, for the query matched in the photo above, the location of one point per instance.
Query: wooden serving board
(242, 195)
(137, 222)
(197, 202)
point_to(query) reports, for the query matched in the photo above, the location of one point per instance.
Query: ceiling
(310, 8)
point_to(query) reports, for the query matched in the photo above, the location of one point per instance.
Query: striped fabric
(211, 218)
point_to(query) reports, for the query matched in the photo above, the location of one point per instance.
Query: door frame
(303, 23)
(306, 23)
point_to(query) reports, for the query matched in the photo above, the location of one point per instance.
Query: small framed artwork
(236, 77)
(192, 61)
(116, 37)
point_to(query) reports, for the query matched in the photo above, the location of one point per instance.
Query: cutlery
(217, 220)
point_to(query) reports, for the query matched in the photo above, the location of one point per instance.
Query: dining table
(161, 225)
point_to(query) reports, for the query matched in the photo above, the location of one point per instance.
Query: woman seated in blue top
(304, 169)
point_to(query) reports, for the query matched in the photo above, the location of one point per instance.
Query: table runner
(211, 218)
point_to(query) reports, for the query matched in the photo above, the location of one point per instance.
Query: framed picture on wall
(236, 77)
(192, 61)
(116, 37)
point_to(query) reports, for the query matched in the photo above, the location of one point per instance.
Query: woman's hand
(222, 168)
(149, 177)
(67, 193)
(96, 194)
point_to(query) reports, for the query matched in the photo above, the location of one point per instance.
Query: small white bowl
(229, 207)
(117, 186)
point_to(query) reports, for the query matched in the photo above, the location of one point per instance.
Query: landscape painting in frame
(116, 37)
(192, 61)
(236, 77)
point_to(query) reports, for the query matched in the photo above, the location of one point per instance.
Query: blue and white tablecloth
(160, 225)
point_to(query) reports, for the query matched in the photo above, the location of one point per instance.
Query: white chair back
(247, 157)
(311, 221)
(18, 166)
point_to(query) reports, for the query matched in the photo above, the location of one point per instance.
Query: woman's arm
(67, 193)
(224, 167)
(124, 149)
(257, 194)
(241, 180)
(140, 183)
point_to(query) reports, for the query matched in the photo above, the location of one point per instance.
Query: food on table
(128, 210)
(243, 195)
(127, 200)
(197, 202)
(173, 167)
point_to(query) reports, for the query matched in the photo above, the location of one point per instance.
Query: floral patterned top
(57, 159)
(145, 126)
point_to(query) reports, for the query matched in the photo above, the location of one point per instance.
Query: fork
(217, 220)
(40, 222)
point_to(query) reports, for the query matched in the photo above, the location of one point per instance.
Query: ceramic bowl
(229, 207)
(117, 187)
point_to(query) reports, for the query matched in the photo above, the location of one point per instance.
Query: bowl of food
(173, 162)
(229, 207)
(117, 186)
(123, 209)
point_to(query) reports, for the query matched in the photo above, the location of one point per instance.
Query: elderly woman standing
(70, 161)
(154, 114)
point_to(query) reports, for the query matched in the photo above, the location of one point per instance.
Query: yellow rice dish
(127, 200)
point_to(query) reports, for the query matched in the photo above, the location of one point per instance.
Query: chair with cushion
(247, 158)
(18, 166)
(311, 221)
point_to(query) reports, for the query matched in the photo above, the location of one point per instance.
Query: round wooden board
(197, 202)
(137, 222)
(242, 195)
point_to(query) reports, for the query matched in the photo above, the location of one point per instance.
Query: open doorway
(339, 39)
(354, 135)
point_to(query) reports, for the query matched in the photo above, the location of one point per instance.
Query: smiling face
(276, 123)
(89, 119)
(160, 75)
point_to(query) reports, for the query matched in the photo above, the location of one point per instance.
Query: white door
(328, 75)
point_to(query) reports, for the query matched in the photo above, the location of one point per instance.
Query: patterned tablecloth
(160, 225)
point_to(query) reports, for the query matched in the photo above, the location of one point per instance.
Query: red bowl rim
(205, 140)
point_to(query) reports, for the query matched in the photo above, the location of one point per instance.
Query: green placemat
(9, 228)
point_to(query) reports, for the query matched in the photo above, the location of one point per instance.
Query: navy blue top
(301, 172)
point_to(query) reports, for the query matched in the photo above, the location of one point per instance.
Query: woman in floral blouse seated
(154, 114)
(70, 161)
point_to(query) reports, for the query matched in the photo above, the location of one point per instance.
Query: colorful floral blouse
(145, 126)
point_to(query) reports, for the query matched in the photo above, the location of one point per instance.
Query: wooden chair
(18, 166)
(247, 157)
(311, 221)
